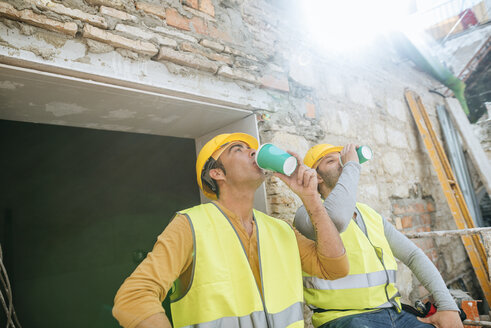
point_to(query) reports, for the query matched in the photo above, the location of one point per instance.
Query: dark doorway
(79, 210)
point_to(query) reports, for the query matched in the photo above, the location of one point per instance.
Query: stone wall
(251, 54)
(482, 131)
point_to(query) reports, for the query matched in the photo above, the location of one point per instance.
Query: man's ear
(217, 174)
(319, 179)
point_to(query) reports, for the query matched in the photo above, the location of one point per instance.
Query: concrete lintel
(34, 96)
(76, 74)
(73, 57)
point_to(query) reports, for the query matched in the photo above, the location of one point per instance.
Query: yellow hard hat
(316, 153)
(214, 148)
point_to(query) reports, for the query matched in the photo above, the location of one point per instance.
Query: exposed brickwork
(187, 59)
(110, 3)
(29, 17)
(272, 82)
(212, 45)
(398, 223)
(426, 219)
(117, 13)
(236, 74)
(282, 201)
(196, 12)
(206, 6)
(175, 19)
(70, 12)
(247, 64)
(191, 3)
(191, 47)
(171, 32)
(419, 208)
(309, 110)
(146, 35)
(219, 34)
(407, 222)
(398, 209)
(118, 41)
(199, 25)
(416, 216)
(234, 51)
(152, 9)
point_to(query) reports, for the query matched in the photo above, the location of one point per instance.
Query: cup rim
(370, 151)
(285, 164)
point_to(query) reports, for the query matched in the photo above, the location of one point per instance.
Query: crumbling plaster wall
(246, 53)
(482, 131)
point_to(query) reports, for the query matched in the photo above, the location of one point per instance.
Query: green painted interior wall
(80, 208)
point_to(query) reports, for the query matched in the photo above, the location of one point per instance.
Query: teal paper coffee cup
(270, 157)
(365, 153)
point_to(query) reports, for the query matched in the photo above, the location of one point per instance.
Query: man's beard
(331, 178)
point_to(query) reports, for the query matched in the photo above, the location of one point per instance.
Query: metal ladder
(473, 244)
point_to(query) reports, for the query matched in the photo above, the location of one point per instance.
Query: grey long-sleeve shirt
(341, 206)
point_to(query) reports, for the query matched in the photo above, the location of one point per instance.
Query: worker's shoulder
(178, 230)
(195, 208)
(178, 220)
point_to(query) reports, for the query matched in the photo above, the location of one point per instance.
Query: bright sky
(350, 24)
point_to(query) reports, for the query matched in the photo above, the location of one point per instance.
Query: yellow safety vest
(223, 291)
(370, 284)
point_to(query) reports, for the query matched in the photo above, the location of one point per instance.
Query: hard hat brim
(326, 152)
(234, 137)
(315, 154)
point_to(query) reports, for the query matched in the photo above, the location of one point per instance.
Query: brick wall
(415, 215)
(185, 33)
(418, 214)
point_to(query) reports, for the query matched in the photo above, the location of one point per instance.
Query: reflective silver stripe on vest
(281, 319)
(362, 280)
(391, 303)
(291, 314)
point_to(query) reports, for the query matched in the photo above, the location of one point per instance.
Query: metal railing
(452, 17)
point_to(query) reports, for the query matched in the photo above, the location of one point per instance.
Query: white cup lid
(366, 152)
(289, 165)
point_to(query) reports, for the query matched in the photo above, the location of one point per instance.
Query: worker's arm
(422, 267)
(329, 245)
(315, 263)
(340, 203)
(158, 320)
(426, 272)
(138, 302)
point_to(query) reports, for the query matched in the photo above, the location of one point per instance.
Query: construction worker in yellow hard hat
(368, 296)
(209, 155)
(229, 264)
